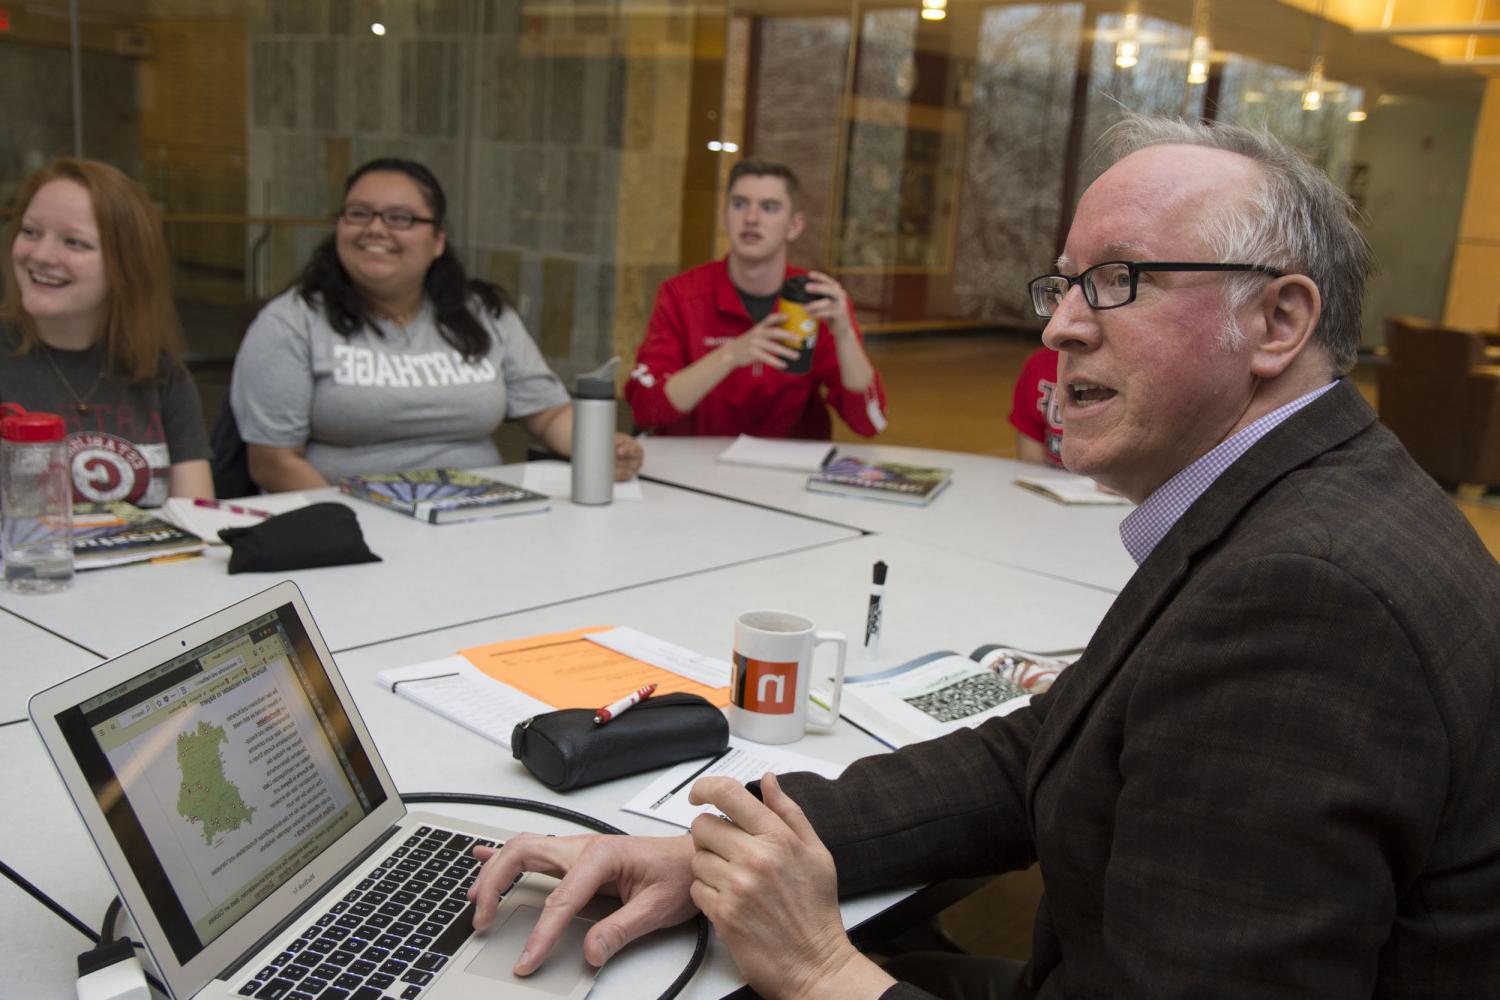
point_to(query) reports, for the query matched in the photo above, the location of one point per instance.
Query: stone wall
(559, 139)
(38, 79)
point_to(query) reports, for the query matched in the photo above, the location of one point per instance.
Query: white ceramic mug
(768, 693)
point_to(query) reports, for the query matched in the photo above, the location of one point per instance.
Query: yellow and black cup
(792, 304)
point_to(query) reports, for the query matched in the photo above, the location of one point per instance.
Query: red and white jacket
(1036, 406)
(698, 310)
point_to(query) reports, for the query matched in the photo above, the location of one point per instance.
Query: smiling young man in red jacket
(714, 358)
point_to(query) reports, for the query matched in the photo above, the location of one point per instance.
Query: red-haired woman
(90, 332)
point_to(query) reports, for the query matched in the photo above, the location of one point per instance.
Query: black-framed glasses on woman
(394, 218)
(1111, 284)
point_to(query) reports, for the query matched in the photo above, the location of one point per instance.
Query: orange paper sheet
(567, 671)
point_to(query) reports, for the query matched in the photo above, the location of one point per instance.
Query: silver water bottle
(594, 439)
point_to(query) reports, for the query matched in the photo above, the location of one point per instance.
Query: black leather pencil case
(565, 749)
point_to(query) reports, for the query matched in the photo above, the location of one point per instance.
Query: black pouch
(320, 534)
(564, 749)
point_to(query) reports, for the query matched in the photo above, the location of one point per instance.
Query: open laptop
(257, 839)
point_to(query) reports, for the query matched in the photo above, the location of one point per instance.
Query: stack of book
(439, 496)
(113, 534)
(908, 484)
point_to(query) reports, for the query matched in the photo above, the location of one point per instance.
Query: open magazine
(943, 691)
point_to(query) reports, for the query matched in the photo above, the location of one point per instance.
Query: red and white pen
(614, 708)
(233, 508)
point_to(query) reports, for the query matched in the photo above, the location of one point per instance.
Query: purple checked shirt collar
(1144, 527)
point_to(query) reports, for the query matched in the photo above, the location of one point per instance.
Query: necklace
(401, 319)
(80, 402)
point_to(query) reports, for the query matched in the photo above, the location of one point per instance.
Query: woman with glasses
(385, 356)
(90, 333)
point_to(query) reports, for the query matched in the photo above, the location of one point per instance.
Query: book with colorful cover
(909, 484)
(439, 496)
(113, 534)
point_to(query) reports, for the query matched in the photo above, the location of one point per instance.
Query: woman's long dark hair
(446, 284)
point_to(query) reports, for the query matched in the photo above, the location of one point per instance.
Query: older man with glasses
(1275, 772)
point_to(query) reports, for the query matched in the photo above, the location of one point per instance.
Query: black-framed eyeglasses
(395, 218)
(1111, 284)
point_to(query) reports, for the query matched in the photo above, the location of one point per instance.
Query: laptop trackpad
(560, 974)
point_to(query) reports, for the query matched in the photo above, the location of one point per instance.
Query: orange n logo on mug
(764, 685)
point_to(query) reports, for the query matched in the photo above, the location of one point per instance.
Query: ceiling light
(1201, 52)
(1312, 91)
(933, 13)
(1312, 94)
(1357, 111)
(1198, 59)
(1128, 48)
(377, 28)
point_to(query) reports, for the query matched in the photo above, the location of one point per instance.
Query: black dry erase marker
(872, 616)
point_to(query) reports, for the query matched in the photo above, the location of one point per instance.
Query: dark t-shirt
(128, 435)
(758, 306)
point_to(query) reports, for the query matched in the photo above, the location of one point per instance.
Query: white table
(45, 841)
(31, 659)
(434, 576)
(936, 599)
(981, 513)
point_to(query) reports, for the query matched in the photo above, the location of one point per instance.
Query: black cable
(700, 947)
(48, 902)
(112, 912)
(74, 922)
(107, 935)
(107, 925)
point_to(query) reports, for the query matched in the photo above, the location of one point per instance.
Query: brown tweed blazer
(1274, 773)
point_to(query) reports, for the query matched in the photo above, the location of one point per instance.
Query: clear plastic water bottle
(36, 502)
(594, 439)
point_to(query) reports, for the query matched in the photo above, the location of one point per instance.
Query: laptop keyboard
(390, 935)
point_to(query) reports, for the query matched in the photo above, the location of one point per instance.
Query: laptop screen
(223, 772)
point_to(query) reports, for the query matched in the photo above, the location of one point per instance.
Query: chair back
(231, 460)
(1431, 398)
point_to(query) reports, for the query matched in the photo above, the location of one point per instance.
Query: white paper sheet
(1064, 487)
(774, 453)
(455, 689)
(660, 653)
(205, 522)
(555, 479)
(666, 798)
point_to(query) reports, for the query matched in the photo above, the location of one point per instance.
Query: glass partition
(584, 146)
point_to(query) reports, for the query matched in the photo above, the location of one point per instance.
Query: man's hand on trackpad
(650, 875)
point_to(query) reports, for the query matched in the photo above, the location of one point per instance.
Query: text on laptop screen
(223, 772)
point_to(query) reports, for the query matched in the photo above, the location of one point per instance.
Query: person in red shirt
(714, 358)
(1036, 411)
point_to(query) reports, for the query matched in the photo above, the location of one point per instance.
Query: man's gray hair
(1298, 222)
